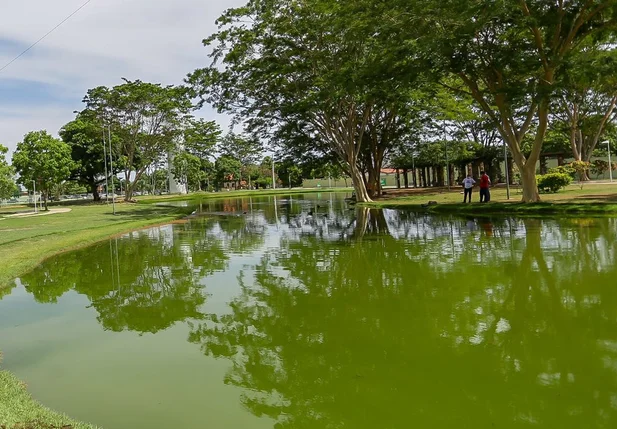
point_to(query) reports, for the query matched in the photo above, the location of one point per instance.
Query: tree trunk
(462, 173)
(543, 165)
(128, 192)
(475, 169)
(95, 192)
(373, 184)
(359, 186)
(440, 176)
(398, 179)
(374, 165)
(406, 179)
(529, 183)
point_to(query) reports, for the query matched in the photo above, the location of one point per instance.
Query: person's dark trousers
(485, 195)
(468, 193)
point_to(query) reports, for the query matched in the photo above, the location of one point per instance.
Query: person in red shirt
(485, 184)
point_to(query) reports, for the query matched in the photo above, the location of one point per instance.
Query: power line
(47, 34)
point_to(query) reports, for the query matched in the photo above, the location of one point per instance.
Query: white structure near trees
(174, 186)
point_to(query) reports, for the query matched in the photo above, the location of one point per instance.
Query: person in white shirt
(468, 183)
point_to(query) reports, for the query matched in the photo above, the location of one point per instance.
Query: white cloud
(151, 40)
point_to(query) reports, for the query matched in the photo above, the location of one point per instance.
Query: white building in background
(174, 186)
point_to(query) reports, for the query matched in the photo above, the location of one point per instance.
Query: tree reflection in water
(153, 279)
(433, 326)
(377, 319)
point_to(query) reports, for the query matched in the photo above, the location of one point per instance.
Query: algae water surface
(300, 312)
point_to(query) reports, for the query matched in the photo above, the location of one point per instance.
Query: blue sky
(151, 40)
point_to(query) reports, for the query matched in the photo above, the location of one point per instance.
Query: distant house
(231, 184)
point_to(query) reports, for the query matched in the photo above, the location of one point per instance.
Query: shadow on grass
(611, 198)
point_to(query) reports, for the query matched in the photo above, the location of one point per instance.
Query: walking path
(43, 213)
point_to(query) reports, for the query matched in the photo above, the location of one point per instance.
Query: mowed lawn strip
(27, 241)
(592, 198)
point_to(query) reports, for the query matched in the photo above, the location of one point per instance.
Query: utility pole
(111, 165)
(106, 173)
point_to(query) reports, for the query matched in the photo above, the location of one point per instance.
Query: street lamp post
(111, 167)
(610, 165)
(106, 173)
(273, 181)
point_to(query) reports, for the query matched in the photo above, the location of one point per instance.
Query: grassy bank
(26, 241)
(592, 199)
(195, 196)
(17, 407)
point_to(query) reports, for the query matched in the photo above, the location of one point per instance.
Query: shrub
(599, 167)
(563, 169)
(553, 182)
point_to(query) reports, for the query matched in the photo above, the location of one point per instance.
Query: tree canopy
(7, 182)
(146, 120)
(353, 77)
(85, 136)
(42, 159)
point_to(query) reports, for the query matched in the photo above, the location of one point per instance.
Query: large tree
(508, 56)
(245, 149)
(200, 137)
(315, 65)
(147, 121)
(586, 103)
(43, 159)
(187, 170)
(85, 136)
(7, 183)
(227, 169)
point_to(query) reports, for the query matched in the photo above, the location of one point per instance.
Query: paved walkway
(42, 213)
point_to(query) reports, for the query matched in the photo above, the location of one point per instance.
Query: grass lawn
(593, 198)
(26, 241)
